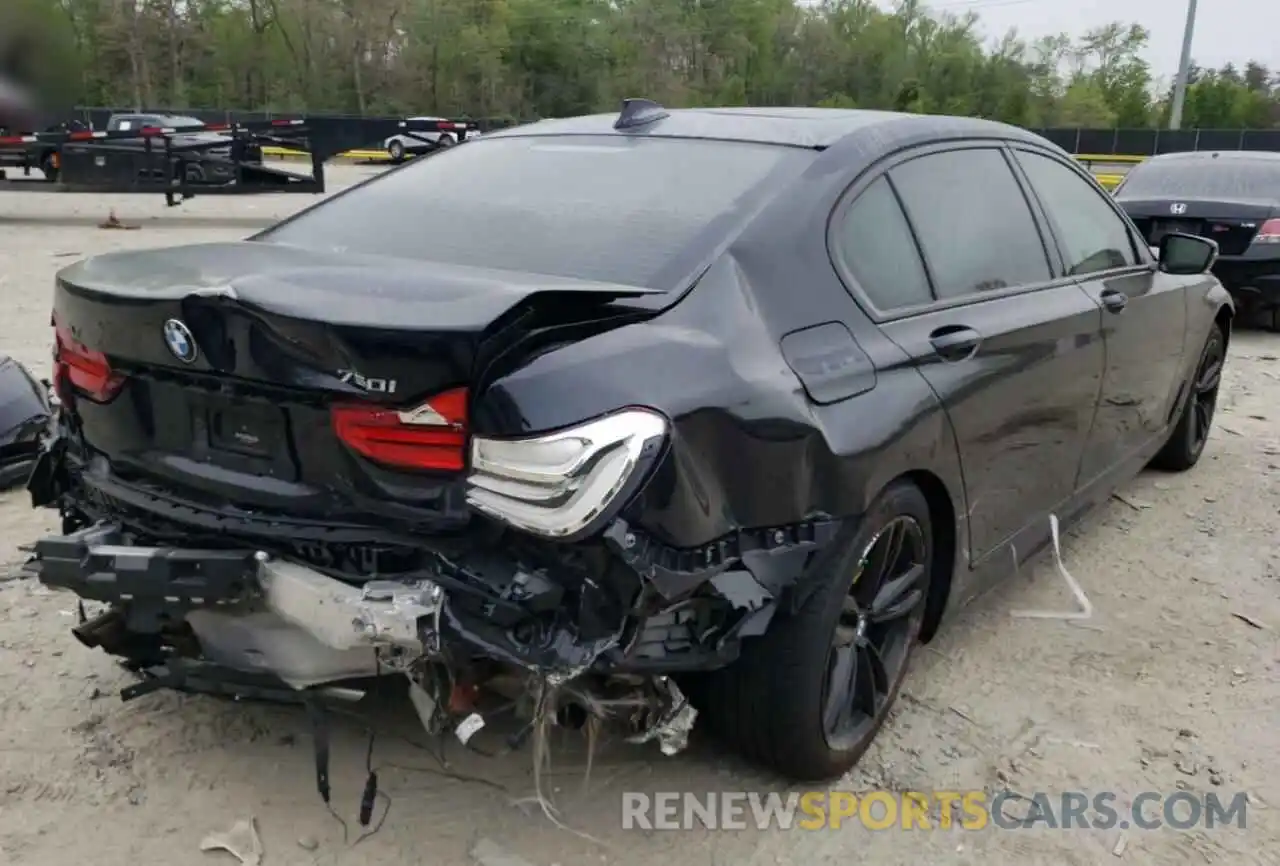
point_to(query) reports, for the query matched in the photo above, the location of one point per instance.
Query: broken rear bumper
(254, 612)
(245, 610)
(205, 581)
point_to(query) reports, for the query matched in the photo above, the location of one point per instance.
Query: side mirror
(1187, 254)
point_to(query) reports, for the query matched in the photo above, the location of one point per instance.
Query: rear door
(1144, 320)
(976, 298)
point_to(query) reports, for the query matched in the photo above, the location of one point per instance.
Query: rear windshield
(602, 208)
(1203, 178)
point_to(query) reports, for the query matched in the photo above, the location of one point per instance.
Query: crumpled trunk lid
(230, 355)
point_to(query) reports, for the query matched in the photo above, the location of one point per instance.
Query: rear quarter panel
(749, 449)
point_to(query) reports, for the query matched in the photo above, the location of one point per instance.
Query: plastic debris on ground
(241, 841)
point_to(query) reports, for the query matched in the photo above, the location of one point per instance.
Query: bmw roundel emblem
(177, 337)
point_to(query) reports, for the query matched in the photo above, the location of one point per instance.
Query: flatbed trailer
(159, 160)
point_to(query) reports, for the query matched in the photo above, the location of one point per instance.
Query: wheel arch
(942, 517)
(1223, 319)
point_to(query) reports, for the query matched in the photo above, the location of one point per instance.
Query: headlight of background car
(561, 484)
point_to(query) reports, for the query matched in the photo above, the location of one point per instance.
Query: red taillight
(84, 369)
(1269, 233)
(432, 436)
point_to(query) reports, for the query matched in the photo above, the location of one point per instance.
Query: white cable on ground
(1086, 607)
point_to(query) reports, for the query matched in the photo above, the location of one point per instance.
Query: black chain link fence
(1119, 142)
(1150, 142)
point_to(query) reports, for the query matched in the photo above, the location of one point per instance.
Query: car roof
(1233, 156)
(795, 127)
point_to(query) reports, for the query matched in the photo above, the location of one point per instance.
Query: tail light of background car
(1269, 233)
(86, 370)
(431, 437)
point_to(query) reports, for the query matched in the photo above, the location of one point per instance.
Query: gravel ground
(1164, 690)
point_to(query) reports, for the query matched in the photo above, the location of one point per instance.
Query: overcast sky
(1232, 31)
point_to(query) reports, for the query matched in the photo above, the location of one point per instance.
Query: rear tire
(781, 703)
(49, 167)
(396, 151)
(1191, 432)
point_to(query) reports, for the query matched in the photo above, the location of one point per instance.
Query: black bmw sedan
(668, 414)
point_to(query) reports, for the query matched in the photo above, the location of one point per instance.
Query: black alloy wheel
(1204, 394)
(879, 621)
(807, 698)
(1190, 433)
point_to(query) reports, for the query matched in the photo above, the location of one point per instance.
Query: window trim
(1137, 244)
(883, 168)
(836, 252)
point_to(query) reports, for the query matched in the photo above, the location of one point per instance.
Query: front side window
(972, 220)
(1094, 237)
(609, 208)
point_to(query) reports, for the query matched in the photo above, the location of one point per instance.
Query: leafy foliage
(527, 58)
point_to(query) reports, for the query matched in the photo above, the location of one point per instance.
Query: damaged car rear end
(262, 469)
(619, 415)
(307, 459)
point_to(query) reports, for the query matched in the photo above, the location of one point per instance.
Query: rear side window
(609, 208)
(1203, 177)
(973, 221)
(874, 242)
(1095, 238)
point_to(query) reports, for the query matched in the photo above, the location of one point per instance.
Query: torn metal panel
(776, 557)
(342, 616)
(557, 651)
(263, 641)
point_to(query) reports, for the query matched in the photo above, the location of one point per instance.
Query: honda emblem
(1177, 208)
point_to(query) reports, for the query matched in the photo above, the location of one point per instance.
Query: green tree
(528, 58)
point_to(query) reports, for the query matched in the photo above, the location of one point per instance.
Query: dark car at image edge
(1233, 198)
(714, 410)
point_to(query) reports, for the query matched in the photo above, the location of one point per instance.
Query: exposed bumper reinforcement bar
(95, 564)
(250, 612)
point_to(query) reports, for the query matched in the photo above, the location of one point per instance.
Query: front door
(1144, 320)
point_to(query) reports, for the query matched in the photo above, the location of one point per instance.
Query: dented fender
(793, 422)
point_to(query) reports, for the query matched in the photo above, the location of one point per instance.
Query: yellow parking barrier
(1109, 180)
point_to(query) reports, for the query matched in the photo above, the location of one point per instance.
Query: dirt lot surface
(1166, 689)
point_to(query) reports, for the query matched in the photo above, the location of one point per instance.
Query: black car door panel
(1021, 399)
(1144, 341)
(1013, 353)
(1145, 319)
